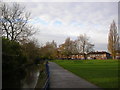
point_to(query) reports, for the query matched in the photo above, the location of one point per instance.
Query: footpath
(61, 78)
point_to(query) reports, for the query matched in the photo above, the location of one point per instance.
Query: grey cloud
(92, 18)
(101, 47)
(61, 1)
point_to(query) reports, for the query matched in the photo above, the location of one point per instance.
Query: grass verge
(103, 73)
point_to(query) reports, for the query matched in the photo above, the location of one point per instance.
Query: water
(31, 79)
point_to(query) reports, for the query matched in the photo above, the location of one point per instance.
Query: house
(91, 55)
(98, 55)
(118, 54)
(77, 56)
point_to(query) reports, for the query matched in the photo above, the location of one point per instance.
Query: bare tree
(54, 44)
(84, 46)
(113, 40)
(49, 51)
(14, 22)
(68, 47)
(73, 46)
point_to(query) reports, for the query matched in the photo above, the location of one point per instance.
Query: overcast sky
(59, 20)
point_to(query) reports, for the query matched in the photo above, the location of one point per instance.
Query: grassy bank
(103, 73)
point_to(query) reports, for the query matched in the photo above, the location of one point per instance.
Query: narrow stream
(32, 80)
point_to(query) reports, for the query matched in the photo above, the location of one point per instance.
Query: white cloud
(74, 18)
(61, 0)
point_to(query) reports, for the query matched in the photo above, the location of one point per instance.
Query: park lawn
(103, 73)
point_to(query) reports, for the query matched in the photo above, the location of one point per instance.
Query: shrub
(12, 63)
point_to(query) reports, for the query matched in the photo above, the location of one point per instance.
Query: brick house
(99, 55)
(118, 54)
(77, 56)
(91, 55)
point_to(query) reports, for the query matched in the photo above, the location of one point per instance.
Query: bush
(12, 63)
(19, 61)
(30, 50)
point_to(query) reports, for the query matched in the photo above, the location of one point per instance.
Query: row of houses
(99, 55)
(91, 55)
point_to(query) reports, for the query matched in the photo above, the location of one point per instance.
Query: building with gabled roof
(91, 55)
(99, 55)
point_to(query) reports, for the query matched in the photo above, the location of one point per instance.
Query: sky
(60, 0)
(59, 20)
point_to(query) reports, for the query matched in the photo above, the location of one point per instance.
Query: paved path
(61, 78)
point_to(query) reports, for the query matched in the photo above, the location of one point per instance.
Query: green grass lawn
(103, 73)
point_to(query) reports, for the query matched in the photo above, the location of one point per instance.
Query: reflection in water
(30, 80)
